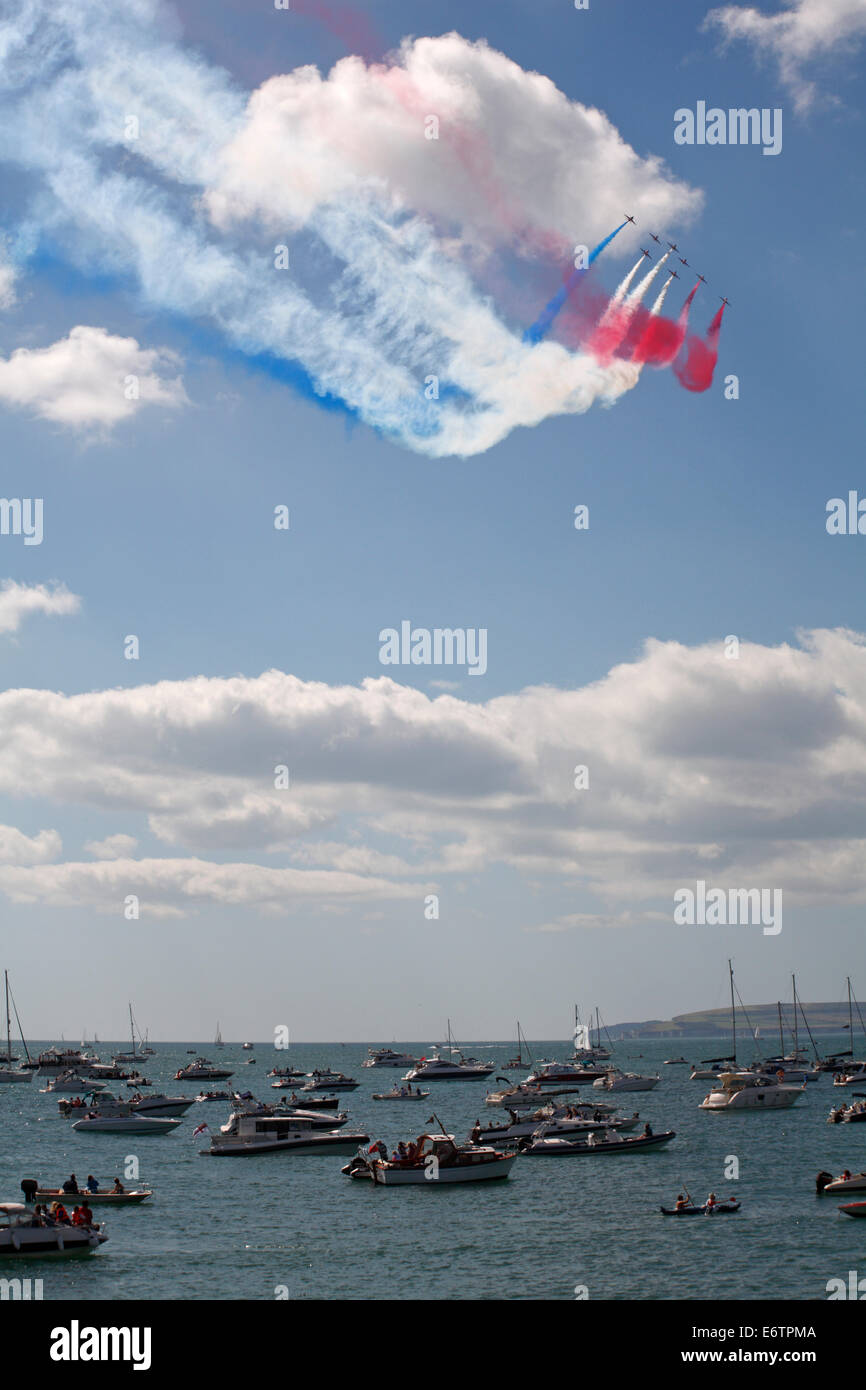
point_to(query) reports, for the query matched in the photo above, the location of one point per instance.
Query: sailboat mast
(733, 1015)
(781, 1033)
(8, 1037)
(794, 989)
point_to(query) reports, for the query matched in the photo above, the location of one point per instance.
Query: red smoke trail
(695, 366)
(353, 29)
(663, 337)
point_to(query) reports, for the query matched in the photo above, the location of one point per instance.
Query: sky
(255, 259)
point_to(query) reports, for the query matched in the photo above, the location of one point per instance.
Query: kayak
(718, 1210)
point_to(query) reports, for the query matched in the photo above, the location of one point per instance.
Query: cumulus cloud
(16, 848)
(112, 847)
(748, 772)
(395, 218)
(8, 279)
(796, 36)
(91, 378)
(19, 601)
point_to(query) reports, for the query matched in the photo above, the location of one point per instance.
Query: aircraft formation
(673, 247)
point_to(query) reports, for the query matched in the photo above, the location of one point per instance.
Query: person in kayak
(711, 1202)
(681, 1203)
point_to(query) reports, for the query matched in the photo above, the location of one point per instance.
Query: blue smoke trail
(537, 330)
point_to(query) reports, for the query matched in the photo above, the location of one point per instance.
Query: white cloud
(91, 378)
(112, 847)
(8, 279)
(515, 161)
(19, 601)
(176, 887)
(796, 36)
(16, 848)
(398, 304)
(748, 772)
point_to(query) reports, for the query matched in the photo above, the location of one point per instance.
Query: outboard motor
(821, 1182)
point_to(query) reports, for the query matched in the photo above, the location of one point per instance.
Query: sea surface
(281, 1225)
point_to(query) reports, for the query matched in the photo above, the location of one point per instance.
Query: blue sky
(706, 519)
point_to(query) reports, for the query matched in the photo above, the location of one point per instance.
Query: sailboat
(218, 1040)
(853, 1073)
(517, 1063)
(739, 1090)
(138, 1050)
(584, 1048)
(9, 1074)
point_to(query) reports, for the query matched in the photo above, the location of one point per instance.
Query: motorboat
(848, 1182)
(310, 1100)
(22, 1233)
(205, 1096)
(248, 1047)
(562, 1073)
(403, 1093)
(625, 1081)
(562, 1121)
(69, 1083)
(106, 1198)
(854, 1208)
(258, 1131)
(330, 1081)
(387, 1057)
(52, 1062)
(288, 1073)
(708, 1209)
(525, 1097)
(104, 1103)
(608, 1141)
(676, 1062)
(434, 1160)
(853, 1075)
(742, 1092)
(438, 1068)
(202, 1070)
(125, 1124)
(847, 1114)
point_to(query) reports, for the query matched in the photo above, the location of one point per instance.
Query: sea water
(280, 1225)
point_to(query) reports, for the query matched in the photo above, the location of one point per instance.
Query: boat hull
(491, 1170)
(93, 1199)
(854, 1208)
(313, 1146)
(548, 1148)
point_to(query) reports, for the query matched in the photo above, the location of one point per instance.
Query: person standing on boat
(29, 1187)
(475, 1136)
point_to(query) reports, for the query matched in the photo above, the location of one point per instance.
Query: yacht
(71, 1084)
(387, 1057)
(330, 1081)
(262, 1130)
(625, 1081)
(106, 1104)
(22, 1233)
(436, 1068)
(563, 1073)
(741, 1091)
(125, 1124)
(202, 1070)
(52, 1062)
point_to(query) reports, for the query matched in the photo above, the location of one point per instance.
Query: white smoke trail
(640, 290)
(398, 312)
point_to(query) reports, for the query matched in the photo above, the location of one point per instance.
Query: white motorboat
(256, 1132)
(387, 1057)
(52, 1061)
(205, 1096)
(854, 1074)
(436, 1160)
(107, 1104)
(70, 1084)
(330, 1081)
(248, 1047)
(22, 1233)
(438, 1068)
(854, 1182)
(625, 1081)
(676, 1062)
(743, 1092)
(202, 1070)
(555, 1121)
(125, 1124)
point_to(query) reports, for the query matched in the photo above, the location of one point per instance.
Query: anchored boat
(433, 1160)
(23, 1233)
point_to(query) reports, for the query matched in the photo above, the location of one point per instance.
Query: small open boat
(854, 1208)
(719, 1209)
(22, 1233)
(106, 1198)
